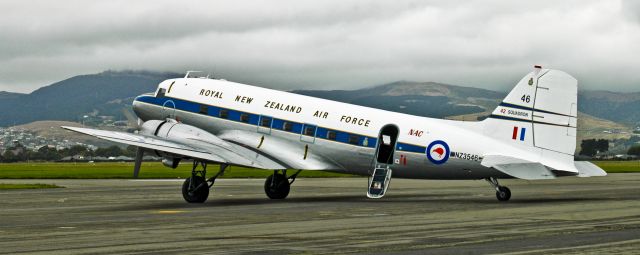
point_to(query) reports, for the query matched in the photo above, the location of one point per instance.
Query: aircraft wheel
(503, 193)
(277, 186)
(195, 196)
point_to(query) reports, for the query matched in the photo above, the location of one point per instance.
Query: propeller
(136, 167)
(139, 152)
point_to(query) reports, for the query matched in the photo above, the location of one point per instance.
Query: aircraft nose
(136, 105)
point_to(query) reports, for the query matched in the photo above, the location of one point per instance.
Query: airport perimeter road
(567, 216)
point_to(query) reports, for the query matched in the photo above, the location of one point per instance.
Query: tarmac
(324, 216)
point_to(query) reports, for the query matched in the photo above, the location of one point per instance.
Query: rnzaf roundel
(438, 152)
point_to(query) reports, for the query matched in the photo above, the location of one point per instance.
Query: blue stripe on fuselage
(278, 124)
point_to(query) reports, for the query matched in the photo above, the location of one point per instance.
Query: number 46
(526, 98)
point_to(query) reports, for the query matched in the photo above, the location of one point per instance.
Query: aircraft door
(169, 109)
(381, 176)
(387, 140)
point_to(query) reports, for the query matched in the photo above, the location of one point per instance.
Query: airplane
(531, 135)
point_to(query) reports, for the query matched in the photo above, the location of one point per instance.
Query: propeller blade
(139, 124)
(136, 167)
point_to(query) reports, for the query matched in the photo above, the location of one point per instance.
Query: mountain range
(110, 93)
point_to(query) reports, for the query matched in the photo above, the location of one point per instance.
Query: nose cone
(138, 106)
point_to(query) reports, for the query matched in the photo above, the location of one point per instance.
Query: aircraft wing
(218, 151)
(518, 168)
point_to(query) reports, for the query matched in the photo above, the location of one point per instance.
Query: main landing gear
(502, 193)
(277, 185)
(195, 189)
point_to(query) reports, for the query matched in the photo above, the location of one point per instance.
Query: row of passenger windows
(286, 126)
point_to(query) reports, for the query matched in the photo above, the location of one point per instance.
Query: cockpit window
(161, 92)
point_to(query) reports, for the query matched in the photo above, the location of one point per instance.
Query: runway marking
(66, 227)
(369, 215)
(169, 211)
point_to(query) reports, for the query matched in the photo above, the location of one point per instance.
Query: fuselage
(345, 133)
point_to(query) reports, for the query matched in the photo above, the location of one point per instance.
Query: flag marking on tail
(523, 131)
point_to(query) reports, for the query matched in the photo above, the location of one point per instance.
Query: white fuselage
(347, 134)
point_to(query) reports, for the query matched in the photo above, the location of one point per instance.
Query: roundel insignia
(438, 152)
(530, 81)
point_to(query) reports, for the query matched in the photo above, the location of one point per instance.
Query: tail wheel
(195, 189)
(277, 186)
(503, 193)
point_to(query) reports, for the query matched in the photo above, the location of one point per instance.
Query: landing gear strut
(502, 193)
(277, 185)
(195, 189)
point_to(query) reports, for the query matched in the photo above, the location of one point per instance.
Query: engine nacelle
(170, 129)
(171, 162)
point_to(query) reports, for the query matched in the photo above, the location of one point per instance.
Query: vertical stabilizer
(541, 111)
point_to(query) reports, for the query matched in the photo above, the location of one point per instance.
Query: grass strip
(5, 186)
(619, 166)
(149, 170)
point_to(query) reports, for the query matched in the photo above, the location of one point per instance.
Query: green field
(619, 166)
(149, 170)
(155, 170)
(4, 186)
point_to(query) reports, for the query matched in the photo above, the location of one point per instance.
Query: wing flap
(518, 168)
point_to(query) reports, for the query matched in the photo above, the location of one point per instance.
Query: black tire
(198, 196)
(503, 193)
(277, 186)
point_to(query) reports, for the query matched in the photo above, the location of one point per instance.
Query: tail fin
(541, 111)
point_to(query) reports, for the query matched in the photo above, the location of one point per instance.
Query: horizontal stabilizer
(588, 169)
(518, 168)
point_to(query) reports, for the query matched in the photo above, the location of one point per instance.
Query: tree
(75, 150)
(46, 153)
(602, 145)
(131, 151)
(591, 147)
(634, 150)
(111, 151)
(9, 156)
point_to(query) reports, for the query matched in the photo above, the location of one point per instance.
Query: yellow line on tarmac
(169, 211)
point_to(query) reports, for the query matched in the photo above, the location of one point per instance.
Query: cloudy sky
(323, 44)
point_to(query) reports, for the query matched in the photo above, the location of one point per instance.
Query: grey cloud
(322, 44)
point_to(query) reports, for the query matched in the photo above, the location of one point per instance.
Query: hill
(614, 106)
(53, 130)
(427, 99)
(106, 93)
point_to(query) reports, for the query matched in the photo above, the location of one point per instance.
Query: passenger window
(204, 109)
(354, 139)
(244, 118)
(287, 126)
(310, 131)
(331, 135)
(265, 122)
(224, 114)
